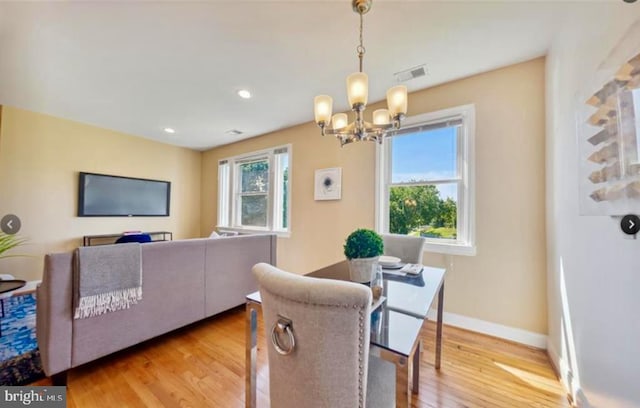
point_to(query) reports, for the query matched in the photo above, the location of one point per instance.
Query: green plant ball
(363, 243)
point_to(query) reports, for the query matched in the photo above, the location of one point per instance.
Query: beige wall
(40, 157)
(505, 282)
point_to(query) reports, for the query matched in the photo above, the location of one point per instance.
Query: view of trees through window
(420, 211)
(254, 192)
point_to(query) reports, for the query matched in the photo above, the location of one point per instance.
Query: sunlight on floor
(568, 357)
(538, 381)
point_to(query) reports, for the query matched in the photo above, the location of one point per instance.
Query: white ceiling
(138, 67)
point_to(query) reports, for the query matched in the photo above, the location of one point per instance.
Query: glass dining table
(395, 326)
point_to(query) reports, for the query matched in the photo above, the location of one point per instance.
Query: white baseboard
(493, 329)
(554, 357)
(566, 375)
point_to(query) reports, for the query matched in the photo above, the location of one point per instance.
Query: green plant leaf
(8, 242)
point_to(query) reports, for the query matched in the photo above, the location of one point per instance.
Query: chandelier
(384, 120)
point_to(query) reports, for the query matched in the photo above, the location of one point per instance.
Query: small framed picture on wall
(328, 184)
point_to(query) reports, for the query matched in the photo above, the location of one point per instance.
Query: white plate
(386, 260)
(386, 268)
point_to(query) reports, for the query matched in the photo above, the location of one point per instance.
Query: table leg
(439, 326)
(415, 382)
(251, 354)
(403, 396)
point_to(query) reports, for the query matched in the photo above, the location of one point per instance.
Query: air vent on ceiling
(233, 132)
(411, 73)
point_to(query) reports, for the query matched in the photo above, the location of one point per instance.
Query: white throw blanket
(107, 278)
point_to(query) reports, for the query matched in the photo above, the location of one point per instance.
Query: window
(253, 191)
(425, 181)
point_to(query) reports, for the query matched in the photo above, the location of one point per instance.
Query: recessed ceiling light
(233, 132)
(244, 94)
(169, 130)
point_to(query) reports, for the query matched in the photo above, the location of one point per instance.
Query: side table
(7, 286)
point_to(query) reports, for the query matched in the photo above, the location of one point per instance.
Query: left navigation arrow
(10, 224)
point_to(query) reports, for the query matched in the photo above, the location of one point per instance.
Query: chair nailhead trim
(361, 359)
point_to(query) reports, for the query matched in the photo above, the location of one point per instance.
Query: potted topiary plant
(362, 248)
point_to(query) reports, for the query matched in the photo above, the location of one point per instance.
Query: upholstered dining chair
(318, 343)
(409, 249)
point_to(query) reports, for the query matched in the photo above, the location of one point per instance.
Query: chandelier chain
(361, 50)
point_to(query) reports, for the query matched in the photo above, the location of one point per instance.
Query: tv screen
(101, 195)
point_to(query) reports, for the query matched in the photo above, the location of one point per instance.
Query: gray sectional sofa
(183, 282)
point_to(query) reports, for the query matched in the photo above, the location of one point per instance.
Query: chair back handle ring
(283, 325)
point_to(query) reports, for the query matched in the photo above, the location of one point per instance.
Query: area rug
(19, 356)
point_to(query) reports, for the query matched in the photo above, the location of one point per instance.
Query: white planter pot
(362, 270)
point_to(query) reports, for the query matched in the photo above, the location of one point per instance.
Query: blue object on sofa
(142, 238)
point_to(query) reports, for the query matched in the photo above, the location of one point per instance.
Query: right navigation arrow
(630, 224)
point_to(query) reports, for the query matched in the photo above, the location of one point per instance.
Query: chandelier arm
(335, 132)
(322, 125)
(397, 120)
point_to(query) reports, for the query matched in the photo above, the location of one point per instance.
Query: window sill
(241, 231)
(450, 249)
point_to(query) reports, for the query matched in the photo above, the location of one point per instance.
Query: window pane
(428, 211)
(424, 156)
(254, 210)
(254, 177)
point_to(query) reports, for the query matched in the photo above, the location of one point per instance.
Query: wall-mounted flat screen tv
(102, 195)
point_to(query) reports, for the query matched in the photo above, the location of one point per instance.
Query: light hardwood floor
(203, 366)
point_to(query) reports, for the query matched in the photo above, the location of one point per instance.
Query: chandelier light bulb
(357, 88)
(381, 117)
(323, 105)
(339, 120)
(397, 100)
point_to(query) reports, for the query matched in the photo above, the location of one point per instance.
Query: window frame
(229, 203)
(465, 244)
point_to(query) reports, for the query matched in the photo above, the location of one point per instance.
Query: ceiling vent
(233, 132)
(411, 73)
